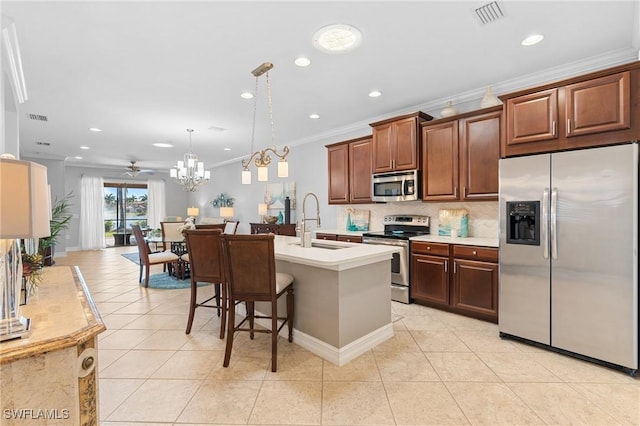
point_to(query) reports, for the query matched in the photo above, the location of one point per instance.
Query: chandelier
(190, 172)
(262, 158)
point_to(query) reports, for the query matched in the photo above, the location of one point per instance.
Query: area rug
(165, 281)
(132, 257)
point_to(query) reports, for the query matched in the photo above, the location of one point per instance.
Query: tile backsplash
(483, 215)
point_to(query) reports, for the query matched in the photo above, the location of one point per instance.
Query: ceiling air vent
(38, 117)
(489, 13)
(43, 143)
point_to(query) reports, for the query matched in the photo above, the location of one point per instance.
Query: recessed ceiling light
(84, 147)
(162, 145)
(314, 116)
(532, 39)
(338, 38)
(227, 149)
(77, 157)
(375, 93)
(95, 129)
(302, 62)
(246, 95)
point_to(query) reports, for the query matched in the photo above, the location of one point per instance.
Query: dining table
(181, 271)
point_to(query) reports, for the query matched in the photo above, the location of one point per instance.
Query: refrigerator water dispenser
(523, 222)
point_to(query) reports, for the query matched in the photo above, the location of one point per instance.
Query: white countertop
(352, 255)
(468, 241)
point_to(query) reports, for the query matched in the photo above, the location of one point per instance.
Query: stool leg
(192, 305)
(290, 312)
(230, 333)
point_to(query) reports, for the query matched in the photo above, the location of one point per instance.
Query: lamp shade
(262, 209)
(246, 177)
(193, 211)
(283, 169)
(263, 174)
(24, 200)
(226, 211)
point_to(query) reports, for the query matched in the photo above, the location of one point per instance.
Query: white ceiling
(146, 71)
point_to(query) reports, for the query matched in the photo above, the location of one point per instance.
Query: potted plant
(32, 272)
(60, 217)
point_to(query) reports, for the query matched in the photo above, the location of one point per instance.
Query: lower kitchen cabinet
(273, 228)
(339, 237)
(475, 287)
(469, 287)
(430, 273)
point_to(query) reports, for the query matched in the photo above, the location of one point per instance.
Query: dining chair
(147, 258)
(230, 228)
(170, 233)
(204, 254)
(250, 271)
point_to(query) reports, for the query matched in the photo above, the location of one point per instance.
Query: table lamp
(24, 213)
(194, 212)
(263, 210)
(226, 212)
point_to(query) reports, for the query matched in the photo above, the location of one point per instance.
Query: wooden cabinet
(457, 278)
(350, 171)
(332, 237)
(460, 157)
(598, 105)
(600, 108)
(360, 171)
(338, 173)
(430, 273)
(349, 238)
(396, 143)
(533, 117)
(339, 237)
(475, 281)
(273, 228)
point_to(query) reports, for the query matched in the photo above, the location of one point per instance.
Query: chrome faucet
(306, 242)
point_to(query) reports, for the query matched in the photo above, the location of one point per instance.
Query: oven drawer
(436, 249)
(487, 254)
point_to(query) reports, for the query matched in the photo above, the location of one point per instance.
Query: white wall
(307, 168)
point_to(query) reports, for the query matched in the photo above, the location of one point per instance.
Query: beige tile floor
(438, 369)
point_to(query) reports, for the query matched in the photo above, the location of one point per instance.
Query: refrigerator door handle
(545, 223)
(554, 238)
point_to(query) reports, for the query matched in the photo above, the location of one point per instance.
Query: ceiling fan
(133, 170)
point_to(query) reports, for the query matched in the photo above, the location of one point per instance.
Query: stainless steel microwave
(395, 186)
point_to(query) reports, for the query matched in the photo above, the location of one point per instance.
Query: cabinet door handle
(446, 265)
(568, 125)
(464, 191)
(454, 267)
(428, 247)
(455, 192)
(553, 128)
(475, 252)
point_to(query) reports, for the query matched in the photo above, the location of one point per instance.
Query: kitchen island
(342, 295)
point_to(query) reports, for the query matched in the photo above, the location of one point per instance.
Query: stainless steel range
(398, 229)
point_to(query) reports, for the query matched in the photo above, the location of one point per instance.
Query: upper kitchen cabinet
(460, 156)
(350, 171)
(396, 142)
(600, 108)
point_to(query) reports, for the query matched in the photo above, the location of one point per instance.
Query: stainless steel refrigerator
(569, 252)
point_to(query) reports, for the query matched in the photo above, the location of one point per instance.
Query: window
(125, 204)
